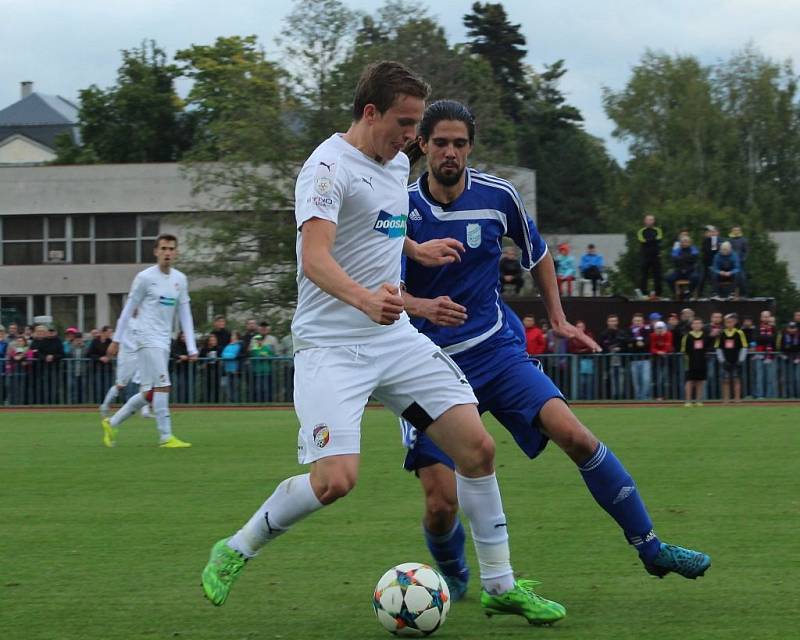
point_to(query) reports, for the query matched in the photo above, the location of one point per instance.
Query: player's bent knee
(440, 512)
(479, 459)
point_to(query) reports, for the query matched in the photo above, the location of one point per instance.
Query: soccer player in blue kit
(459, 307)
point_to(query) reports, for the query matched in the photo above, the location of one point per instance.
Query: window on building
(115, 303)
(14, 309)
(78, 239)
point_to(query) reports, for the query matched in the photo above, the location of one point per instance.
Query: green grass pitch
(109, 544)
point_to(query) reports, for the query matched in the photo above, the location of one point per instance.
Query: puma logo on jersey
(392, 226)
(369, 182)
(329, 167)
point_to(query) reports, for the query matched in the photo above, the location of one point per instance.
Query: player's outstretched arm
(434, 253)
(441, 311)
(544, 274)
(383, 306)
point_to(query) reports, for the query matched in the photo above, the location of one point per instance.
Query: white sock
(145, 413)
(111, 395)
(480, 500)
(292, 500)
(133, 404)
(161, 410)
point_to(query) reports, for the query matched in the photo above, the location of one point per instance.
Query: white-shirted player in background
(352, 339)
(155, 294)
(127, 371)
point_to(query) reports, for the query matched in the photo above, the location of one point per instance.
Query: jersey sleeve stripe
(529, 262)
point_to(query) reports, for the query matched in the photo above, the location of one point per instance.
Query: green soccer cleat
(224, 566)
(522, 601)
(685, 562)
(109, 433)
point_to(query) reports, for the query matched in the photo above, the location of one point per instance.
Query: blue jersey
(488, 209)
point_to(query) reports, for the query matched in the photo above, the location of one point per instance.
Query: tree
(572, 168)
(729, 134)
(500, 43)
(675, 129)
(140, 119)
(404, 31)
(313, 48)
(758, 97)
(243, 161)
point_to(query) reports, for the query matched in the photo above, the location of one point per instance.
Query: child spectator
(694, 346)
(731, 347)
(260, 353)
(660, 348)
(232, 366)
(565, 269)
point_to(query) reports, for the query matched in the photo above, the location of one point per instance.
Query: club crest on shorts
(322, 435)
(474, 235)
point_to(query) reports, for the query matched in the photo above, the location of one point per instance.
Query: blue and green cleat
(672, 559)
(522, 601)
(457, 587)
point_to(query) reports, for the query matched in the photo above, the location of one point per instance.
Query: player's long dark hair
(434, 114)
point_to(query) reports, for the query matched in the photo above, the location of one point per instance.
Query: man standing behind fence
(731, 346)
(155, 294)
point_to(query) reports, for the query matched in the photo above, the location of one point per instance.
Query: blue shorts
(509, 384)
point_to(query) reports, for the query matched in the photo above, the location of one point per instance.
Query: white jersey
(156, 295)
(368, 202)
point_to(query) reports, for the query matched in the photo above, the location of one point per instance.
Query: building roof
(41, 118)
(39, 109)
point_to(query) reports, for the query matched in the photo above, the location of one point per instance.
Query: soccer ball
(411, 599)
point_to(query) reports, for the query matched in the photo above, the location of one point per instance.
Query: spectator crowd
(720, 263)
(37, 366)
(680, 357)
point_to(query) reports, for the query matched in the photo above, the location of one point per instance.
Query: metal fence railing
(604, 377)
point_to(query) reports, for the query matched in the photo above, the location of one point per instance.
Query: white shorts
(127, 367)
(153, 368)
(406, 372)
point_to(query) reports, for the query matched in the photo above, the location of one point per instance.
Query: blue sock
(615, 491)
(448, 551)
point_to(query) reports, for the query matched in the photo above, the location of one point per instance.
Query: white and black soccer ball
(411, 599)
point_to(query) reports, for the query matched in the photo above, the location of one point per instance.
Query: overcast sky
(66, 46)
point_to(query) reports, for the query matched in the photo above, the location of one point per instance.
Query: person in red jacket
(660, 347)
(535, 343)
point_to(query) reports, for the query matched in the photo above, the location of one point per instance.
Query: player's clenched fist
(385, 305)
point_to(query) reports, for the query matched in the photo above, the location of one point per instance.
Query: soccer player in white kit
(127, 371)
(352, 339)
(155, 294)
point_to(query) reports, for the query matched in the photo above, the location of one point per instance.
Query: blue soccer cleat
(457, 587)
(672, 559)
